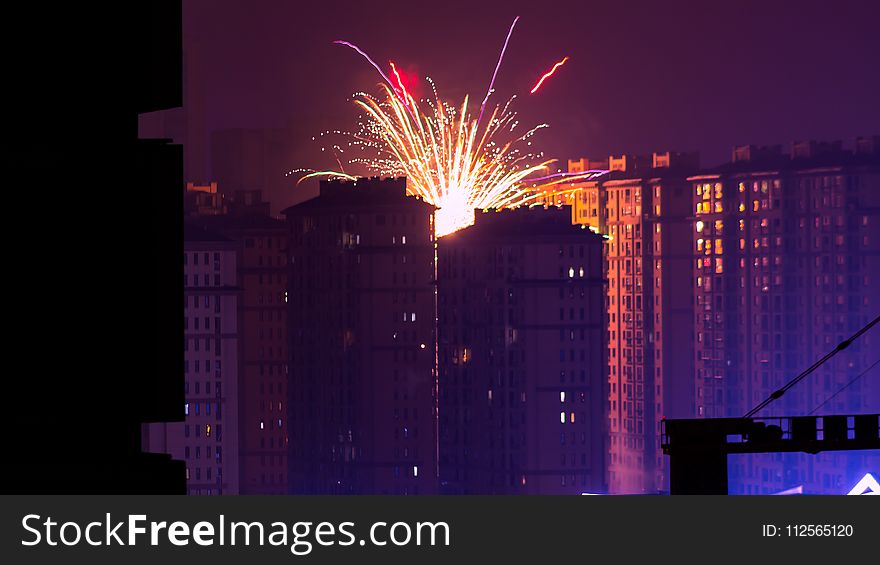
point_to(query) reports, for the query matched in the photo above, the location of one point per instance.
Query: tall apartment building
(643, 207)
(787, 265)
(262, 389)
(650, 361)
(522, 356)
(208, 440)
(362, 329)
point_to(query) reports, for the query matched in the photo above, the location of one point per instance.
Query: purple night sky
(642, 76)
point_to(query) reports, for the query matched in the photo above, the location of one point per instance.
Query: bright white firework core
(454, 213)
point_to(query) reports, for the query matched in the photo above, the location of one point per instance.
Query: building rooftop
(804, 156)
(522, 223)
(363, 192)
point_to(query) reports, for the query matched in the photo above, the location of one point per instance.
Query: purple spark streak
(585, 174)
(492, 82)
(367, 57)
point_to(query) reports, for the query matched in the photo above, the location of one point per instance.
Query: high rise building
(207, 441)
(647, 218)
(262, 390)
(786, 266)
(362, 329)
(522, 356)
(645, 212)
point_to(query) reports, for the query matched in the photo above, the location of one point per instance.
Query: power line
(844, 387)
(840, 347)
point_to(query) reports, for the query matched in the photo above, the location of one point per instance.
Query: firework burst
(450, 158)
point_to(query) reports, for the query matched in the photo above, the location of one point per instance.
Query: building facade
(522, 356)
(643, 207)
(208, 439)
(362, 328)
(650, 357)
(262, 388)
(786, 266)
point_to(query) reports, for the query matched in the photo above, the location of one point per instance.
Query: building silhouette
(185, 125)
(522, 356)
(113, 312)
(362, 329)
(786, 252)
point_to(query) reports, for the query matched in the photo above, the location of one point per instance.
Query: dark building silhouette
(186, 125)
(113, 361)
(786, 251)
(522, 356)
(362, 328)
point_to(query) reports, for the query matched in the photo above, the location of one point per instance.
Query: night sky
(642, 76)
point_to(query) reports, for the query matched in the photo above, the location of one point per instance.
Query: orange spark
(548, 74)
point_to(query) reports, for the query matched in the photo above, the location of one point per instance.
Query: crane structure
(698, 448)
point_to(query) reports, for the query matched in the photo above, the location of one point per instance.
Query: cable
(840, 347)
(844, 387)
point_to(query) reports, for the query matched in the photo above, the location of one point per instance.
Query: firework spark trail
(325, 174)
(399, 82)
(498, 66)
(556, 175)
(367, 57)
(548, 74)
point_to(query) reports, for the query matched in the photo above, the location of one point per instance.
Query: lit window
(207, 430)
(571, 272)
(262, 425)
(562, 396)
(415, 470)
(572, 417)
(562, 417)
